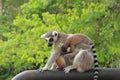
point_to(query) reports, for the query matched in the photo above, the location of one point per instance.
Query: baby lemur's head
(66, 49)
(50, 37)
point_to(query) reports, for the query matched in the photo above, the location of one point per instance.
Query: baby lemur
(82, 60)
(75, 39)
(73, 42)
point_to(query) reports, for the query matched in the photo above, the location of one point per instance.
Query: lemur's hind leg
(82, 62)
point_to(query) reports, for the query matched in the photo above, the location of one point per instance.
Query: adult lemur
(82, 61)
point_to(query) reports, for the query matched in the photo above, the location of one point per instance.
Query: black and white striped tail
(96, 64)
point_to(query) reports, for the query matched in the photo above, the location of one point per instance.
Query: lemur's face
(50, 37)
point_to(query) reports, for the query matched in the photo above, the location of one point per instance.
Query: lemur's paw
(42, 69)
(67, 69)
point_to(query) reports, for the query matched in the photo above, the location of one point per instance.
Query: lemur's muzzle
(50, 42)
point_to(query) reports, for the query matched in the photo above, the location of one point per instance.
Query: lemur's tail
(96, 64)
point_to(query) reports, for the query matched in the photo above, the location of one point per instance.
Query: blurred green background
(22, 23)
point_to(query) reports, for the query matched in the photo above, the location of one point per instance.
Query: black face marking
(51, 40)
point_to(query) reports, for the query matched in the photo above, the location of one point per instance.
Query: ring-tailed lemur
(54, 37)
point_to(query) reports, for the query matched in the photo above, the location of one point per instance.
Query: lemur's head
(50, 37)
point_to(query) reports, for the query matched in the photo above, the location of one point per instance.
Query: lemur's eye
(51, 39)
(55, 34)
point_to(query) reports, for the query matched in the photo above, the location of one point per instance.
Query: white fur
(43, 36)
(54, 32)
(55, 37)
(68, 49)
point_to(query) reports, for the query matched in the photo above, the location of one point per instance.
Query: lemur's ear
(43, 36)
(55, 33)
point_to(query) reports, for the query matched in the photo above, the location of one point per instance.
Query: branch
(104, 74)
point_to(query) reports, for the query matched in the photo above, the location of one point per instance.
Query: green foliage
(23, 49)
